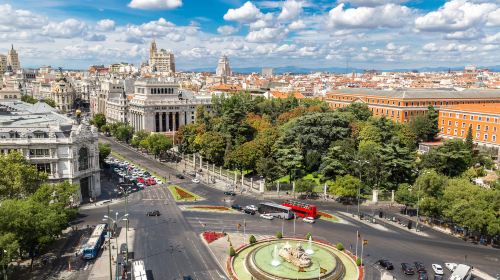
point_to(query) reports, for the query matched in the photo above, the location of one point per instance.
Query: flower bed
(181, 194)
(327, 217)
(211, 236)
(209, 207)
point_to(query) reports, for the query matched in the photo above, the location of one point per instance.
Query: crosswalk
(156, 192)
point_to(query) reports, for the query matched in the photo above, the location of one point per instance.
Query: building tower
(3, 64)
(162, 60)
(223, 69)
(152, 50)
(13, 60)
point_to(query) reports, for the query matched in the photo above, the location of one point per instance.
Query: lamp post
(360, 163)
(115, 221)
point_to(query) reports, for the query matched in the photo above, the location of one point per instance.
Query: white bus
(139, 271)
(462, 272)
(276, 210)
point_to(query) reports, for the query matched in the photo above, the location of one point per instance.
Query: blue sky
(375, 34)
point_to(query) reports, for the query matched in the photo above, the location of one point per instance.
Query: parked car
(385, 264)
(451, 266)
(231, 193)
(140, 185)
(180, 176)
(438, 277)
(251, 207)
(422, 275)
(407, 269)
(438, 269)
(195, 180)
(153, 213)
(159, 182)
(236, 207)
(309, 220)
(266, 216)
(249, 211)
(419, 266)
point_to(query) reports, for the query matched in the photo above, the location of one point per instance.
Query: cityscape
(230, 139)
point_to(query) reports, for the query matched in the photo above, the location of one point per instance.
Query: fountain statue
(309, 249)
(295, 256)
(276, 261)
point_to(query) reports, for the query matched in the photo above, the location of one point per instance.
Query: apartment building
(403, 105)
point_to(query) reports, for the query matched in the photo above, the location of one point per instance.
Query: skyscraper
(13, 59)
(162, 60)
(223, 68)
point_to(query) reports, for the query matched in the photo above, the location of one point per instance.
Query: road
(171, 247)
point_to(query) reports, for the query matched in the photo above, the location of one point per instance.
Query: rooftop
(422, 93)
(490, 108)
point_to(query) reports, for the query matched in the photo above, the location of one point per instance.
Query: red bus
(301, 209)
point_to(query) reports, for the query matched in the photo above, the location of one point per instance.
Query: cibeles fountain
(286, 259)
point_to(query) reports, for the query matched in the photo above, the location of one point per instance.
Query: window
(462, 133)
(39, 153)
(442, 129)
(471, 118)
(477, 135)
(479, 118)
(494, 129)
(485, 137)
(456, 124)
(478, 127)
(448, 131)
(43, 167)
(83, 159)
(442, 122)
(455, 131)
(486, 128)
(463, 124)
(487, 119)
(493, 138)
(449, 123)
(465, 117)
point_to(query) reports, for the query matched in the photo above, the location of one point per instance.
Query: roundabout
(286, 259)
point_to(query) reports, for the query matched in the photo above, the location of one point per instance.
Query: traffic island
(328, 217)
(208, 208)
(181, 194)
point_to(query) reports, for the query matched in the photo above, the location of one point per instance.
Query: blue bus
(93, 245)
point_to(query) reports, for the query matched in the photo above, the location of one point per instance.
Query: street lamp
(360, 163)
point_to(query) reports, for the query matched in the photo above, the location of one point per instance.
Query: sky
(366, 34)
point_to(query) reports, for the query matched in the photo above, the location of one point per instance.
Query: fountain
(309, 249)
(276, 261)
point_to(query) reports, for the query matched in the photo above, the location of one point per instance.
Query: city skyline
(369, 34)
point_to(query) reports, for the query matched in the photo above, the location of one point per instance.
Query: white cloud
(452, 47)
(391, 46)
(469, 34)
(175, 37)
(266, 35)
(307, 51)
(105, 25)
(246, 13)
(291, 9)
(286, 48)
(69, 28)
(296, 25)
(22, 19)
(492, 39)
(455, 15)
(388, 15)
(259, 24)
(155, 4)
(430, 47)
(95, 37)
(226, 30)
(494, 18)
(372, 3)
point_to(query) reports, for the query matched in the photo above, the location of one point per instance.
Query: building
(9, 88)
(158, 105)
(403, 105)
(484, 119)
(63, 93)
(53, 142)
(267, 72)
(117, 104)
(223, 68)
(13, 60)
(3, 64)
(161, 60)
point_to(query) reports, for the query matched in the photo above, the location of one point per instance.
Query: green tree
(312, 160)
(252, 239)
(279, 235)
(289, 160)
(268, 168)
(138, 137)
(232, 252)
(346, 186)
(405, 195)
(98, 120)
(50, 102)
(187, 138)
(212, 147)
(338, 159)
(124, 132)
(104, 151)
(359, 110)
(431, 185)
(158, 144)
(304, 186)
(469, 140)
(28, 99)
(451, 159)
(18, 178)
(9, 245)
(425, 126)
(245, 156)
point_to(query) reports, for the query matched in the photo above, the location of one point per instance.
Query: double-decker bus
(275, 210)
(301, 209)
(93, 245)
(139, 271)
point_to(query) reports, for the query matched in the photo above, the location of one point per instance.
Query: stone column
(173, 122)
(261, 186)
(375, 196)
(392, 196)
(293, 189)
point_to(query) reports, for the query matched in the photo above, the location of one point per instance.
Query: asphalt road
(171, 247)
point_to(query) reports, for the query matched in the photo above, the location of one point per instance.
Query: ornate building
(13, 60)
(63, 93)
(54, 143)
(159, 105)
(223, 69)
(3, 64)
(162, 60)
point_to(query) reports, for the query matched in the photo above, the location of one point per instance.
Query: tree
(304, 186)
(212, 147)
(98, 120)
(138, 137)
(104, 151)
(451, 159)
(469, 140)
(404, 195)
(338, 159)
(50, 102)
(431, 185)
(187, 138)
(312, 160)
(268, 168)
(18, 178)
(289, 159)
(245, 156)
(252, 239)
(345, 186)
(279, 235)
(158, 144)
(425, 126)
(124, 132)
(28, 99)
(359, 110)
(340, 246)
(232, 252)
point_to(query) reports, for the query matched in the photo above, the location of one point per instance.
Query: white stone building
(13, 60)
(158, 105)
(3, 64)
(161, 60)
(53, 142)
(223, 68)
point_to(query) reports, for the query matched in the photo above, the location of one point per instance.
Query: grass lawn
(208, 208)
(181, 194)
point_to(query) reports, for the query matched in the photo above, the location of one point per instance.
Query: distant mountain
(302, 70)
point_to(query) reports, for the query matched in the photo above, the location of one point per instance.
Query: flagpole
(357, 240)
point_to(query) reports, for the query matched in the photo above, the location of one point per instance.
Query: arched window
(83, 159)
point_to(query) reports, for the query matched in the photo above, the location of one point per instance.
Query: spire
(12, 46)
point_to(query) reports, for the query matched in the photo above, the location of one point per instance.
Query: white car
(309, 220)
(159, 182)
(195, 180)
(438, 269)
(451, 266)
(140, 185)
(252, 207)
(266, 216)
